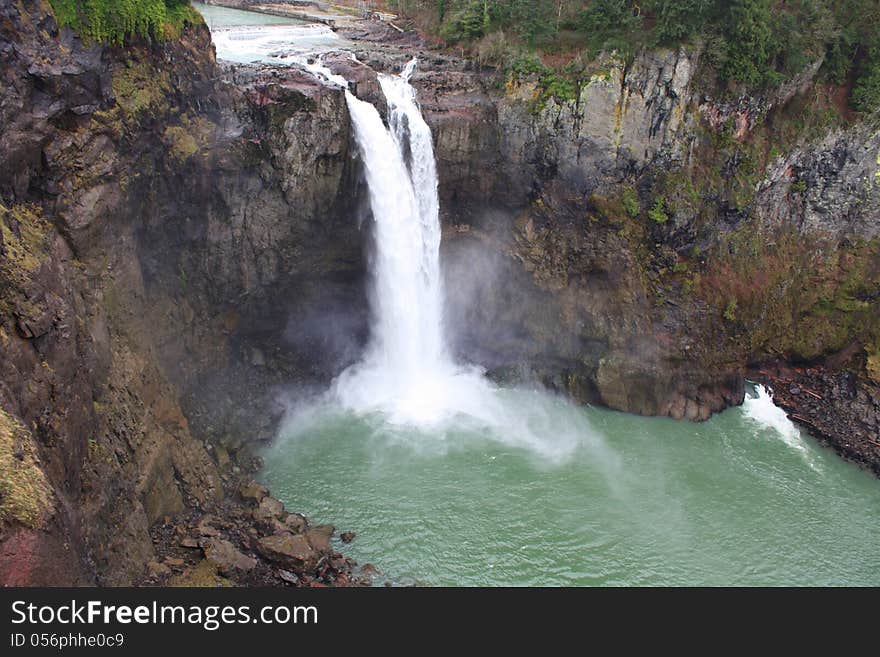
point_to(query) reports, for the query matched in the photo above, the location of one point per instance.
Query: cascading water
(406, 357)
(407, 374)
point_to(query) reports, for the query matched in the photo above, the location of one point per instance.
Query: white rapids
(273, 44)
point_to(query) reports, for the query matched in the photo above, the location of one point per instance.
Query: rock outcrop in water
(179, 240)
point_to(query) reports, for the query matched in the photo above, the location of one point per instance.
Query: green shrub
(751, 46)
(658, 212)
(730, 311)
(470, 22)
(678, 20)
(866, 92)
(611, 25)
(630, 202)
(563, 85)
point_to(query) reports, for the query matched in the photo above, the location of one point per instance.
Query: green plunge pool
(600, 498)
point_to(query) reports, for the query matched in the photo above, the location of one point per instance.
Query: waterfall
(406, 367)
(407, 374)
(413, 140)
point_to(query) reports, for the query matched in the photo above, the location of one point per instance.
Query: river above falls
(246, 37)
(604, 499)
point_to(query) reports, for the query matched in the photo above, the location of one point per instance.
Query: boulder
(362, 81)
(294, 523)
(291, 551)
(289, 577)
(253, 492)
(228, 558)
(156, 570)
(205, 528)
(319, 537)
(269, 510)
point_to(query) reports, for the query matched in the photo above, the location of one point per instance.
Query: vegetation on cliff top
(114, 20)
(748, 44)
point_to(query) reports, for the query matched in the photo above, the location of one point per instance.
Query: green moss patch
(23, 232)
(182, 144)
(23, 247)
(139, 86)
(25, 496)
(187, 138)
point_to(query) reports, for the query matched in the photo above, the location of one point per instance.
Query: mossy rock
(24, 246)
(187, 138)
(23, 234)
(182, 145)
(138, 86)
(202, 575)
(25, 495)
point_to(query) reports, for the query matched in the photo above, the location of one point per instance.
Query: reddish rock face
(37, 558)
(363, 80)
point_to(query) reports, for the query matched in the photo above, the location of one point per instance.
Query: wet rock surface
(140, 330)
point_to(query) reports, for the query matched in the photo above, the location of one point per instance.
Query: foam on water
(274, 44)
(760, 409)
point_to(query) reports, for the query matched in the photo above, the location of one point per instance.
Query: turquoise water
(224, 17)
(603, 498)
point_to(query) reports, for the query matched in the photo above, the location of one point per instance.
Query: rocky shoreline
(250, 539)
